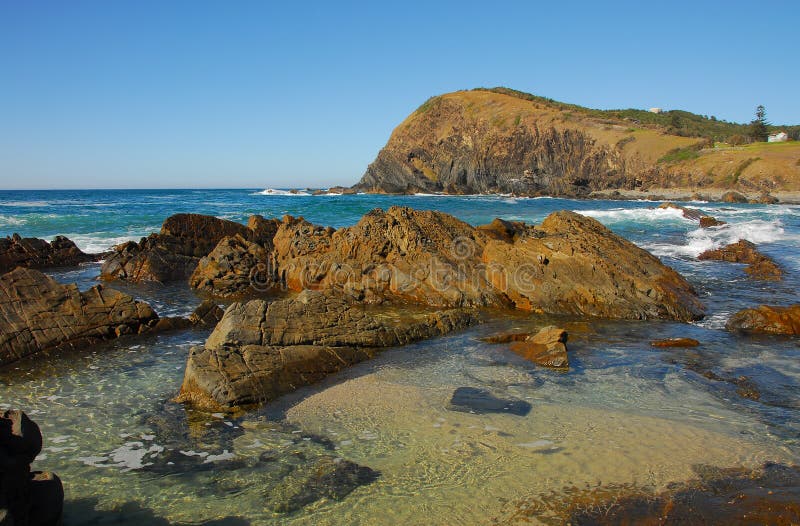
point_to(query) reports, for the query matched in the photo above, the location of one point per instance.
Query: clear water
(624, 413)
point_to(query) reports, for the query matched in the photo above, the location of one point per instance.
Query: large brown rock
(173, 253)
(767, 319)
(31, 252)
(548, 347)
(38, 314)
(26, 498)
(259, 351)
(236, 267)
(743, 251)
(569, 264)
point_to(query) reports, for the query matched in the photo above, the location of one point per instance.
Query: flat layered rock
(39, 314)
(743, 251)
(766, 319)
(261, 350)
(31, 252)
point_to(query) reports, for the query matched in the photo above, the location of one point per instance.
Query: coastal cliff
(504, 141)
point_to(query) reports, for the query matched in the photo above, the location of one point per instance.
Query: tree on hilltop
(758, 126)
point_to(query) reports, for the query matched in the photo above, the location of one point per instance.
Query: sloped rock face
(38, 314)
(743, 251)
(573, 264)
(766, 319)
(259, 351)
(173, 253)
(26, 498)
(448, 148)
(16, 251)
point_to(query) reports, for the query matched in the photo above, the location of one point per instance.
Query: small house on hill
(778, 137)
(656, 110)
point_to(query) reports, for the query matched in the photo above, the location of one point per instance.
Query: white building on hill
(778, 137)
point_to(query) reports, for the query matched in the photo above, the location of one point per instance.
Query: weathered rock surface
(743, 251)
(675, 342)
(705, 220)
(207, 314)
(38, 314)
(235, 267)
(568, 264)
(766, 319)
(171, 254)
(259, 351)
(31, 252)
(26, 498)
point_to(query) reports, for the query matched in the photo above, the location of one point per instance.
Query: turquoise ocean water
(127, 453)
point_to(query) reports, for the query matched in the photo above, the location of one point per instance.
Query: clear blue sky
(148, 94)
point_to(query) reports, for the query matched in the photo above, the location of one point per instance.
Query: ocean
(624, 414)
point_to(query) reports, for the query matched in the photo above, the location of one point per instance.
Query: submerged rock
(766, 319)
(480, 401)
(259, 351)
(547, 348)
(26, 498)
(675, 342)
(39, 314)
(16, 251)
(743, 251)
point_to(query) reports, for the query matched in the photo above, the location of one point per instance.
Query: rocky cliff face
(482, 141)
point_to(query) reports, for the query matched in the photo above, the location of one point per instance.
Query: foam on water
(699, 240)
(11, 220)
(284, 193)
(644, 215)
(99, 241)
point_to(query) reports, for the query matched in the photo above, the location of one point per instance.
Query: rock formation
(31, 252)
(675, 342)
(766, 319)
(26, 498)
(235, 267)
(38, 314)
(569, 264)
(743, 251)
(548, 347)
(693, 214)
(261, 350)
(171, 254)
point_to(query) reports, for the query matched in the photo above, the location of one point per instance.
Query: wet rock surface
(766, 319)
(27, 498)
(675, 342)
(39, 314)
(743, 251)
(481, 401)
(261, 350)
(16, 251)
(704, 220)
(547, 347)
(770, 495)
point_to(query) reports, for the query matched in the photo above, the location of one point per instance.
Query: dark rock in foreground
(743, 251)
(259, 351)
(16, 251)
(480, 401)
(766, 319)
(39, 314)
(26, 498)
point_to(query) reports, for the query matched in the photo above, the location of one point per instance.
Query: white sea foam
(273, 191)
(702, 239)
(11, 221)
(25, 204)
(99, 241)
(649, 215)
